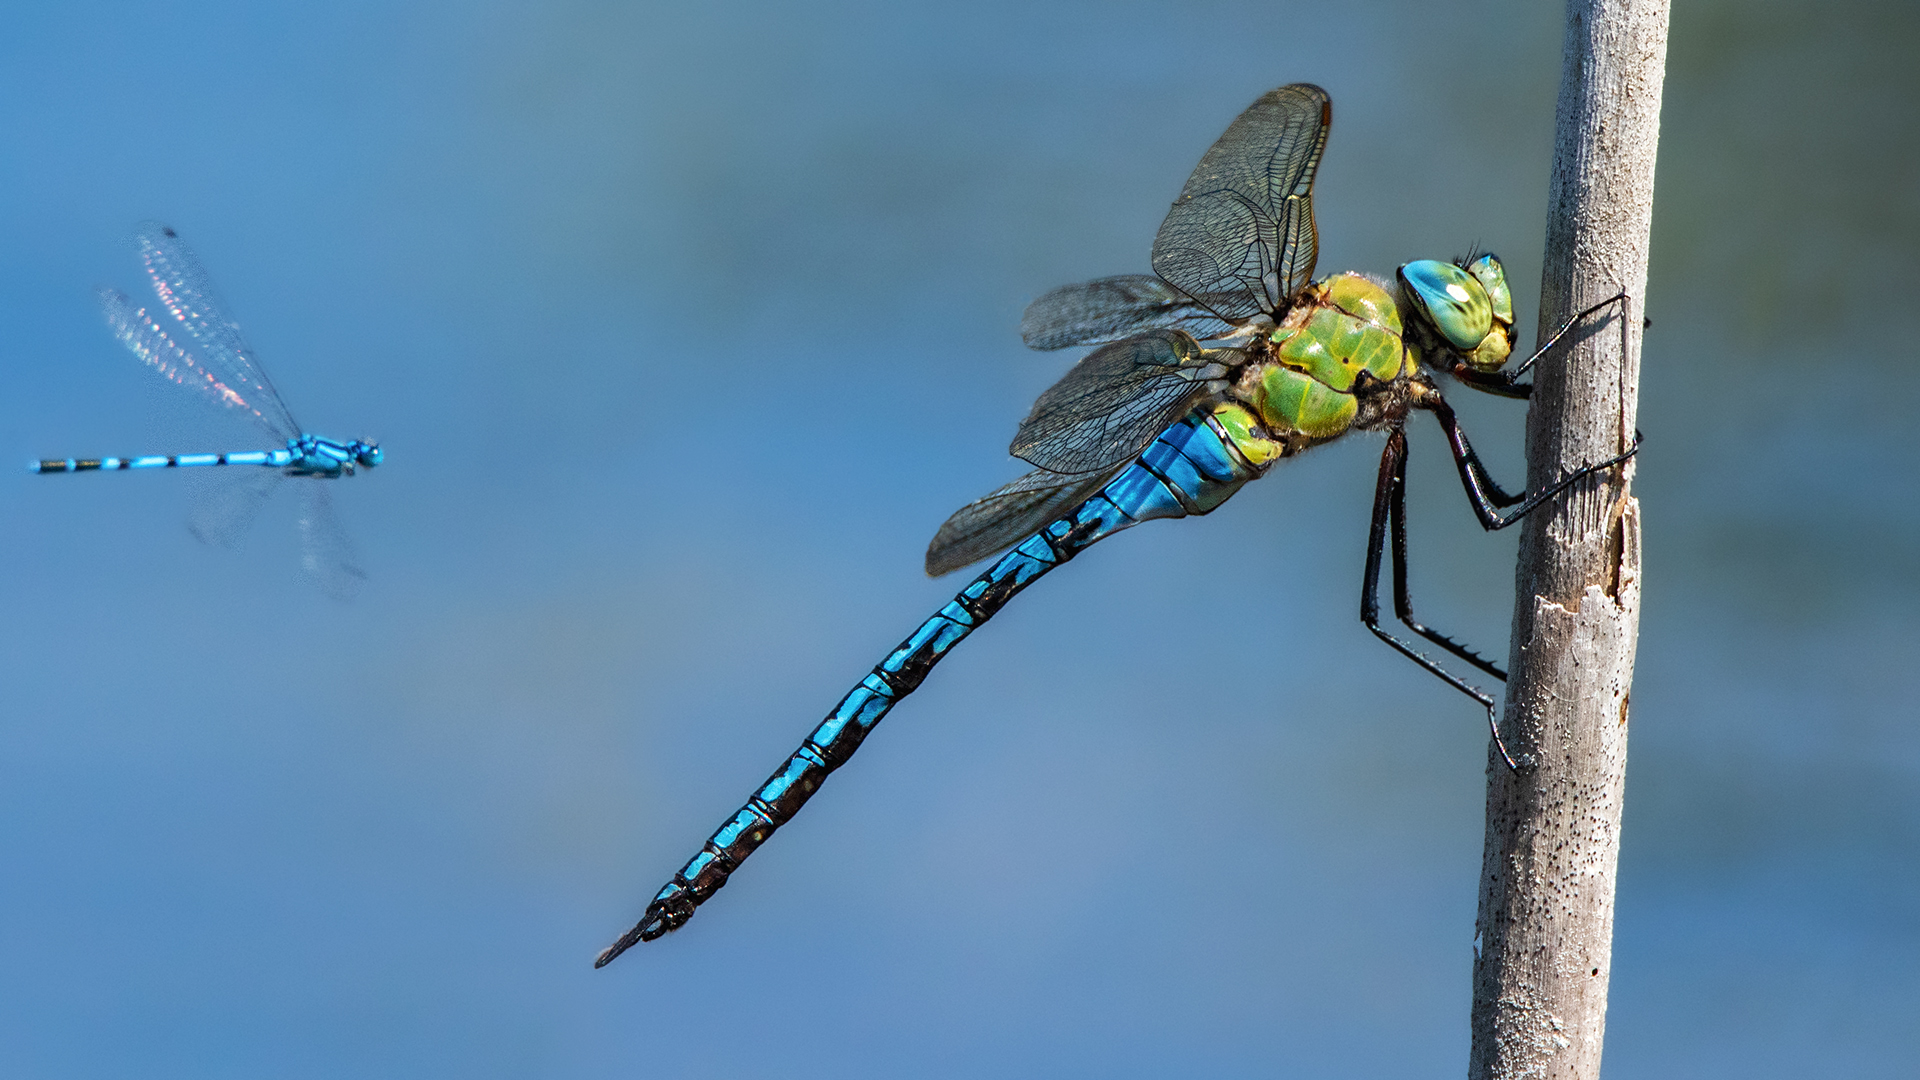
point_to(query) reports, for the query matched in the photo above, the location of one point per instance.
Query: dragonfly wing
(225, 502)
(1117, 399)
(1095, 312)
(141, 333)
(213, 356)
(327, 552)
(1240, 236)
(988, 525)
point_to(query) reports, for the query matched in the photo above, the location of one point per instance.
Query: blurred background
(683, 327)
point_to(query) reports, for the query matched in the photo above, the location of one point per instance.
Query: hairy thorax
(1339, 360)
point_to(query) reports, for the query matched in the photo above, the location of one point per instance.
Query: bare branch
(1553, 827)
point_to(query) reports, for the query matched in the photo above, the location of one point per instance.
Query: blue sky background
(683, 327)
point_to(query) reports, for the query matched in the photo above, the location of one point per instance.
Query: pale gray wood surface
(1545, 924)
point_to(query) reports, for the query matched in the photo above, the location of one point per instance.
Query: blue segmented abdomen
(1190, 468)
(274, 458)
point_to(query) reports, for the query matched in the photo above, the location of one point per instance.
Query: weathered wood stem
(1545, 926)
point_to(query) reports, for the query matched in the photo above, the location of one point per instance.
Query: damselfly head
(1467, 304)
(365, 453)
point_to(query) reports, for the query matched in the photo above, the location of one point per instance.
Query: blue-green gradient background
(683, 327)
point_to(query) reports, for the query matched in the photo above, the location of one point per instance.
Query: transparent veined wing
(1096, 312)
(1117, 399)
(1240, 236)
(213, 352)
(327, 553)
(988, 525)
(150, 340)
(226, 502)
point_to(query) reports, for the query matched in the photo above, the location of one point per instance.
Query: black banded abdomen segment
(1190, 468)
(833, 743)
(273, 458)
(153, 461)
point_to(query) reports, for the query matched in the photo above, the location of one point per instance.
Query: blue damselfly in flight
(191, 340)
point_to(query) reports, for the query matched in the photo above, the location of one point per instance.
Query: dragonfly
(191, 340)
(1228, 358)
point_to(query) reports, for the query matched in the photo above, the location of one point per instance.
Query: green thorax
(1337, 328)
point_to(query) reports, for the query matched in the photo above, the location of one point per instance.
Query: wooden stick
(1544, 948)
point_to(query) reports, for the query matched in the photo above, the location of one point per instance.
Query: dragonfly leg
(1626, 309)
(1503, 384)
(1389, 515)
(1402, 595)
(1498, 383)
(1487, 496)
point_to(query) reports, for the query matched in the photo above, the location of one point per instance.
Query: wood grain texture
(1545, 923)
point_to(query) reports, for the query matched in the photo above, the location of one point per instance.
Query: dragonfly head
(366, 453)
(1467, 304)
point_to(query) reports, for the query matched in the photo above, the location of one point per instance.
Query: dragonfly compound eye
(1456, 303)
(1498, 345)
(1493, 277)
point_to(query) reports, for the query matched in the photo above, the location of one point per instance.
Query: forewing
(1008, 516)
(1117, 399)
(144, 335)
(1095, 312)
(212, 349)
(326, 551)
(1240, 236)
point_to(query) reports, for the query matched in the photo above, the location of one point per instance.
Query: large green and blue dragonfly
(1154, 424)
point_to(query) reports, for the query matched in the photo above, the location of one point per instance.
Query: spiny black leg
(1488, 497)
(1386, 495)
(1626, 309)
(1402, 595)
(1503, 383)
(1498, 383)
